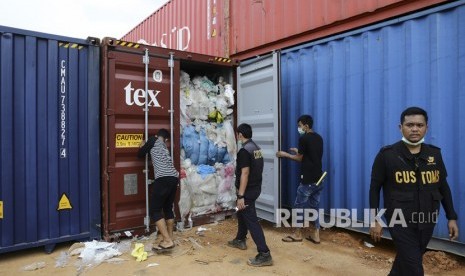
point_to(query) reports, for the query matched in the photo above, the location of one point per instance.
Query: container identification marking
(63, 110)
(64, 203)
(124, 140)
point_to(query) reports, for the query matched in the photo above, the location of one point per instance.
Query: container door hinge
(110, 112)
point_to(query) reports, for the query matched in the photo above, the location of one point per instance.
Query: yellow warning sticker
(125, 140)
(1, 209)
(64, 203)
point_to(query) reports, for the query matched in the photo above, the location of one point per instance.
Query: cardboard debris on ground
(34, 266)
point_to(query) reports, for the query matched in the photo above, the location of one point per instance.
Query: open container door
(124, 123)
(257, 105)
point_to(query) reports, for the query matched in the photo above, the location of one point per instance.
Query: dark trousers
(162, 194)
(410, 244)
(247, 220)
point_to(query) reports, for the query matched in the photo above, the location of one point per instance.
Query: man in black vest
(412, 175)
(249, 169)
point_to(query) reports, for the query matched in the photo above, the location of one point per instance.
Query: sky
(77, 18)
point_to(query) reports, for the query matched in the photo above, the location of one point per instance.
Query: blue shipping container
(355, 85)
(49, 133)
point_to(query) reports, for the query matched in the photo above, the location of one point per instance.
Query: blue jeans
(308, 197)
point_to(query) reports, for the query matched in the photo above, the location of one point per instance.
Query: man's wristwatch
(240, 196)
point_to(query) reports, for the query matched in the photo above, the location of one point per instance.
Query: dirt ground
(340, 253)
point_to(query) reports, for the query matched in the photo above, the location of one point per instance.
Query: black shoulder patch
(386, 148)
(433, 146)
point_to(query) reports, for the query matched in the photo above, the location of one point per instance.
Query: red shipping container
(123, 98)
(259, 27)
(186, 25)
(246, 28)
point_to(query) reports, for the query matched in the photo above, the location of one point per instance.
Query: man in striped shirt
(164, 186)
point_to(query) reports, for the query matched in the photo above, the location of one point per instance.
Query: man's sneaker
(262, 259)
(238, 244)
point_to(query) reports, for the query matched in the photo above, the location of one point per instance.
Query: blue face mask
(301, 131)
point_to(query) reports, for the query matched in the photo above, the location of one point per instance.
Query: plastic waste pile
(208, 146)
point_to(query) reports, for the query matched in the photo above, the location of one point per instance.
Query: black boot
(262, 259)
(238, 244)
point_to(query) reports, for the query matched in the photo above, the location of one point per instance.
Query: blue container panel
(49, 129)
(356, 85)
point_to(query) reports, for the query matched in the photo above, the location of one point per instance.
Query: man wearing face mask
(249, 169)
(413, 178)
(309, 154)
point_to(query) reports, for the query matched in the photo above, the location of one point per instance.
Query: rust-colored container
(123, 79)
(259, 27)
(193, 26)
(247, 28)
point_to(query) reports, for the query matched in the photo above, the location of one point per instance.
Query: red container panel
(193, 26)
(246, 28)
(259, 27)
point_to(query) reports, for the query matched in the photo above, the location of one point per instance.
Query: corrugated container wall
(49, 124)
(259, 27)
(186, 25)
(247, 28)
(357, 84)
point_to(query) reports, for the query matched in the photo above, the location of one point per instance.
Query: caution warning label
(64, 203)
(128, 140)
(1, 209)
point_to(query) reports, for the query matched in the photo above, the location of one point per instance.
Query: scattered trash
(139, 252)
(62, 260)
(200, 231)
(367, 244)
(115, 260)
(153, 264)
(180, 253)
(209, 260)
(34, 266)
(154, 235)
(128, 233)
(76, 248)
(124, 246)
(195, 243)
(96, 252)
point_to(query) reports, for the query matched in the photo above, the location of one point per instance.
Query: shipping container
(49, 127)
(193, 26)
(244, 29)
(356, 84)
(133, 75)
(278, 24)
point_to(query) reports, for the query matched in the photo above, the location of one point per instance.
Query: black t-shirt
(311, 147)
